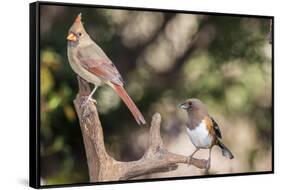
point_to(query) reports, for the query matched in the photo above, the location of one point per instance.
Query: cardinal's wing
(94, 60)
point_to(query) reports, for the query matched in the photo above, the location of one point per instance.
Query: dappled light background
(164, 58)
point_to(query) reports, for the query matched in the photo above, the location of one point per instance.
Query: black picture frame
(34, 94)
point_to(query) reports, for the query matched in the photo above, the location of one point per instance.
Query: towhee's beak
(71, 37)
(183, 106)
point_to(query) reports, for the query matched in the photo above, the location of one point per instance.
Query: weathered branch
(102, 167)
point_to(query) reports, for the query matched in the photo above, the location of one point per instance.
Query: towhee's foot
(208, 164)
(189, 161)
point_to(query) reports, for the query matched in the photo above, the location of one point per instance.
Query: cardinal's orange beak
(71, 37)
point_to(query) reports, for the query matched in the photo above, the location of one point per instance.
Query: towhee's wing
(96, 62)
(216, 128)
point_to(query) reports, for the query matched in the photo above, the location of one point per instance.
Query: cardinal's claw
(85, 102)
(93, 100)
(86, 111)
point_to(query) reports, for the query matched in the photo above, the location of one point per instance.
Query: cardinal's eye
(79, 34)
(189, 103)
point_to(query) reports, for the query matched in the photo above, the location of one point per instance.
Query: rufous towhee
(90, 62)
(202, 129)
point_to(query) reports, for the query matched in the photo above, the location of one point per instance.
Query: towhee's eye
(189, 103)
(79, 34)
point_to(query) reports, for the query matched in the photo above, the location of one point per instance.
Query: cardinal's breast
(79, 69)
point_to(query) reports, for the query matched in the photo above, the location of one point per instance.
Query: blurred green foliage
(225, 61)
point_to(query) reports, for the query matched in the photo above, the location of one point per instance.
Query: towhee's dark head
(192, 104)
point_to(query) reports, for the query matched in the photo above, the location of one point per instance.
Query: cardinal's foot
(93, 100)
(84, 107)
(86, 101)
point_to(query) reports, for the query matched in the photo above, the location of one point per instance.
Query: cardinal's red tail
(130, 104)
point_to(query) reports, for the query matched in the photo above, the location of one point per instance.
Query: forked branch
(103, 167)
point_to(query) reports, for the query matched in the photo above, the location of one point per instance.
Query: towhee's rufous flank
(90, 62)
(202, 129)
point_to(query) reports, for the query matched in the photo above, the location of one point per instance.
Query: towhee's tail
(225, 151)
(130, 104)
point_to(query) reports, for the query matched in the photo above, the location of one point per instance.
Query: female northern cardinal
(89, 61)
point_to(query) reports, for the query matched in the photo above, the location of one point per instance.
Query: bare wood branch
(102, 167)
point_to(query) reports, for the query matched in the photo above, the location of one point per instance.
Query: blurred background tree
(164, 58)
